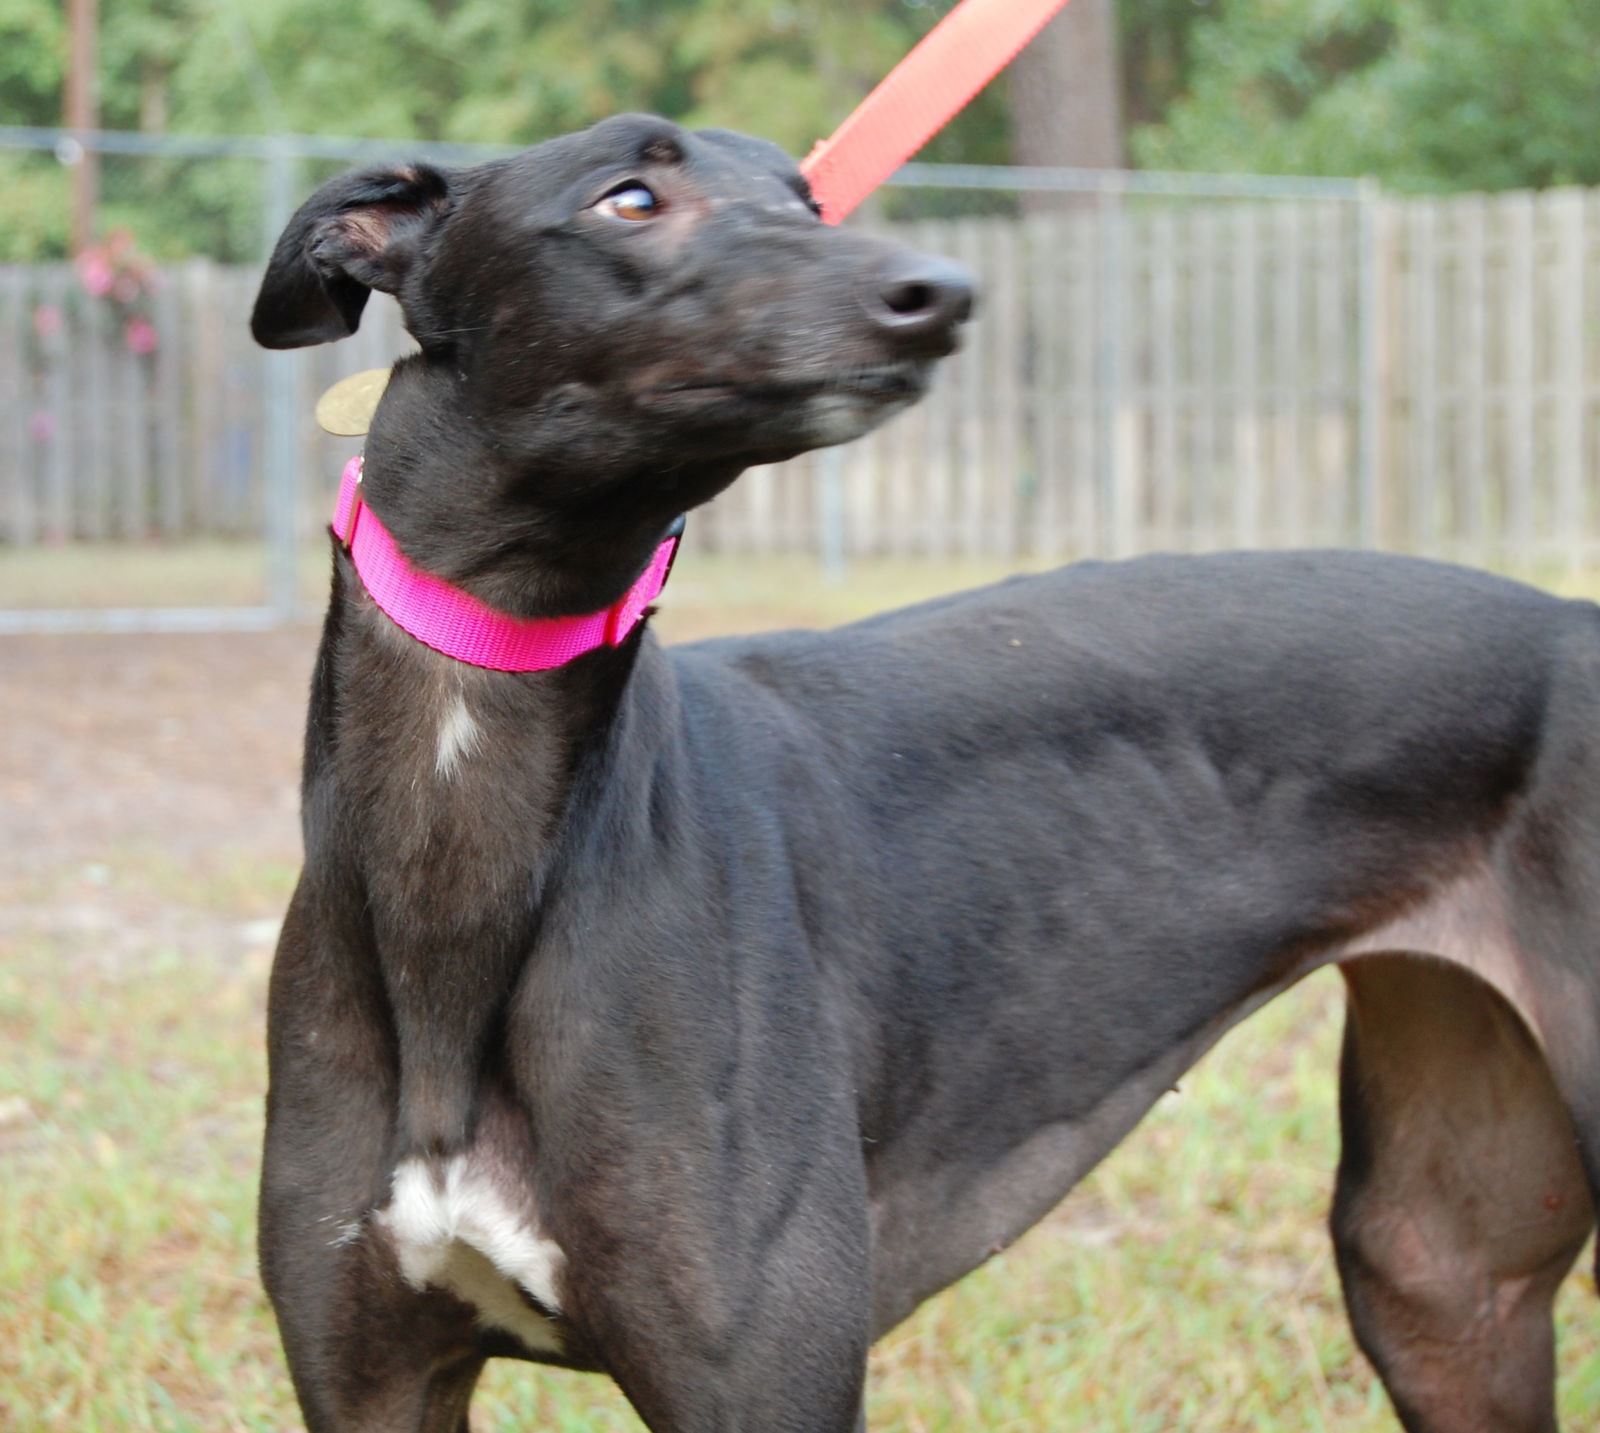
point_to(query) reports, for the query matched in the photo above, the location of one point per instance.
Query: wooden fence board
(1422, 370)
(19, 515)
(1003, 420)
(1566, 211)
(60, 457)
(1290, 378)
(1165, 483)
(1520, 458)
(1207, 377)
(1471, 469)
(1245, 335)
(170, 506)
(1046, 429)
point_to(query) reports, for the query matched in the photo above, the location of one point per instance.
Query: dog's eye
(632, 202)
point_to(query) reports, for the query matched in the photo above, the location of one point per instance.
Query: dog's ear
(357, 233)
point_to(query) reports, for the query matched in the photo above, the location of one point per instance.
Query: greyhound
(692, 1015)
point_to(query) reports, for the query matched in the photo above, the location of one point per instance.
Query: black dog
(693, 1015)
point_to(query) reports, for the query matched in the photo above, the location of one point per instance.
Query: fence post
(280, 410)
(831, 515)
(1372, 379)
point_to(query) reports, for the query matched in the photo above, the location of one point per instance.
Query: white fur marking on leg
(459, 736)
(452, 1227)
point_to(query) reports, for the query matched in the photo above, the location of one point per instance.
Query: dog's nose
(917, 294)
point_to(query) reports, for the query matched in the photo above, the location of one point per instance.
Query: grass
(753, 591)
(205, 573)
(1187, 1284)
(759, 591)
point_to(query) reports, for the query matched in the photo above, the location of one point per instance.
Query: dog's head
(613, 325)
(676, 290)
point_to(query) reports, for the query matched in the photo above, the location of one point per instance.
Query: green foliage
(1156, 41)
(33, 47)
(37, 220)
(1424, 94)
(473, 71)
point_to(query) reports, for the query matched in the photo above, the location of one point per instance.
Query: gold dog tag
(346, 409)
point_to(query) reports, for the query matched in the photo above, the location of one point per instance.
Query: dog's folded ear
(359, 232)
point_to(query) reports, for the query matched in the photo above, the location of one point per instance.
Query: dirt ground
(149, 783)
(144, 778)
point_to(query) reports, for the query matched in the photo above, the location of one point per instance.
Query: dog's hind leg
(1461, 1200)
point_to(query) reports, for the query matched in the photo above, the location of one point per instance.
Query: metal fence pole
(281, 414)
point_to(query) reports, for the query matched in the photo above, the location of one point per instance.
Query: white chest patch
(454, 1229)
(459, 736)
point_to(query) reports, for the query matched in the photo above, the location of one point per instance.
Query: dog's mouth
(879, 384)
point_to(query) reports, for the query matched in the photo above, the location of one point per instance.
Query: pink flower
(140, 336)
(42, 426)
(95, 271)
(47, 320)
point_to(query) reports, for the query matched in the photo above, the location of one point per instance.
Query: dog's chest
(465, 1225)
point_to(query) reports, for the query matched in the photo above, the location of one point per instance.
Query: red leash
(919, 96)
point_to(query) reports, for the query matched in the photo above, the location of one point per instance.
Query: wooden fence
(1146, 373)
(1489, 371)
(100, 441)
(1151, 375)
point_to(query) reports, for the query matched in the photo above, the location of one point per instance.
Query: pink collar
(460, 626)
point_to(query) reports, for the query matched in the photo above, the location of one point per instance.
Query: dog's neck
(525, 517)
(455, 784)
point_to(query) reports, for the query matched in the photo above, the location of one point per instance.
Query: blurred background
(1254, 273)
(1347, 296)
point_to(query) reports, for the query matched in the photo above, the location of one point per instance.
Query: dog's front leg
(367, 1351)
(727, 1299)
(369, 1354)
(779, 1348)
(797, 1366)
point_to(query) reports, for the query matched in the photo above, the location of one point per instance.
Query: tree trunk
(81, 106)
(1066, 93)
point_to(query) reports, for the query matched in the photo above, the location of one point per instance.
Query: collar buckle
(347, 511)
